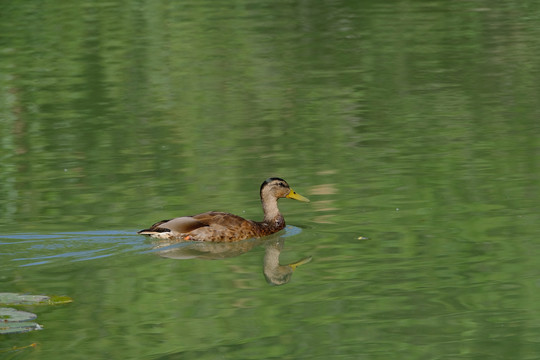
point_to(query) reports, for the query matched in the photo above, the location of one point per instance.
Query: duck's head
(278, 188)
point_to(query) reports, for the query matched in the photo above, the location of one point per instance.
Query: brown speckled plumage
(224, 227)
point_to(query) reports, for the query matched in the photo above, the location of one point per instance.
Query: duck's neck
(272, 216)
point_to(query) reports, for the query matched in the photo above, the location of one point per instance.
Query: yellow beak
(293, 195)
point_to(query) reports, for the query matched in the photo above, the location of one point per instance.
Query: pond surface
(412, 126)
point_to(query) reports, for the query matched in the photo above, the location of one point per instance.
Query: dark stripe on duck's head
(269, 180)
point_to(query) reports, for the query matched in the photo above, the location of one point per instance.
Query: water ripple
(21, 250)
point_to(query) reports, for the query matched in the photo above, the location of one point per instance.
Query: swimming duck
(224, 227)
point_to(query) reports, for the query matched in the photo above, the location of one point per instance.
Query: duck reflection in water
(274, 272)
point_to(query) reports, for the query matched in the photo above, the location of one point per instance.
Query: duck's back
(224, 227)
(209, 226)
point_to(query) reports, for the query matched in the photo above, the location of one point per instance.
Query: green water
(413, 124)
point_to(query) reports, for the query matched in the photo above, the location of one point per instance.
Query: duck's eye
(282, 184)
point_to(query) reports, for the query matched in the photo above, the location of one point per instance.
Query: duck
(216, 226)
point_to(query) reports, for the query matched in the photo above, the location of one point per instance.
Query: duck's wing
(181, 225)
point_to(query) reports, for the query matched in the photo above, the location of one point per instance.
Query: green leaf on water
(9, 314)
(58, 300)
(16, 321)
(18, 299)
